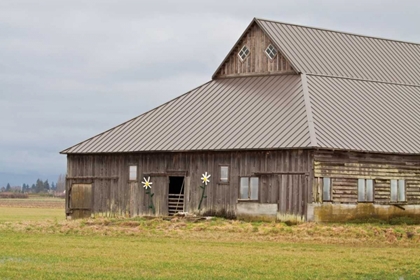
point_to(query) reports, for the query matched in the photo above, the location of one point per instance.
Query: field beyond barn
(38, 243)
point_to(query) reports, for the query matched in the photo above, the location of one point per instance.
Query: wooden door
(80, 201)
(293, 192)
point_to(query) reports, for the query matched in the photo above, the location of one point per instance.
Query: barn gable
(262, 57)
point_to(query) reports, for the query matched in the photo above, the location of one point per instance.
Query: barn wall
(285, 177)
(257, 62)
(345, 168)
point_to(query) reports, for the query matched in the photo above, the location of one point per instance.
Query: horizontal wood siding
(257, 62)
(345, 168)
(114, 194)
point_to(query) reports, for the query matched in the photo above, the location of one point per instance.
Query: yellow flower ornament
(205, 178)
(146, 183)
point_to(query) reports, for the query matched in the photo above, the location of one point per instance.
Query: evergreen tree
(53, 186)
(39, 187)
(8, 187)
(46, 186)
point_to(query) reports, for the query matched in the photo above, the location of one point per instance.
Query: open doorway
(176, 195)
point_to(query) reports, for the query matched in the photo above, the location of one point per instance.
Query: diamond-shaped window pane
(271, 51)
(243, 53)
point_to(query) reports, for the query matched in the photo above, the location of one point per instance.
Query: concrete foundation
(257, 209)
(330, 212)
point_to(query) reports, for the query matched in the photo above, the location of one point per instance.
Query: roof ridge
(337, 31)
(132, 119)
(308, 107)
(360, 79)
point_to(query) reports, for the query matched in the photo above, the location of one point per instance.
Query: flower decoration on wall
(205, 179)
(147, 185)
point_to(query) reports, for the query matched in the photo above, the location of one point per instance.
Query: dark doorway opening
(176, 185)
(176, 195)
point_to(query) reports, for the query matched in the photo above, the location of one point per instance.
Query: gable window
(398, 191)
(326, 189)
(243, 53)
(249, 188)
(133, 173)
(224, 174)
(271, 51)
(365, 190)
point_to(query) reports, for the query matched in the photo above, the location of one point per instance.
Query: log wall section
(345, 168)
(257, 62)
(114, 195)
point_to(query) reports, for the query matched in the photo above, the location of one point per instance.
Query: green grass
(40, 244)
(14, 214)
(39, 256)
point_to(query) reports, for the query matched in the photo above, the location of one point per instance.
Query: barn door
(292, 195)
(80, 201)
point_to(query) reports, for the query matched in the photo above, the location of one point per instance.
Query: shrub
(13, 195)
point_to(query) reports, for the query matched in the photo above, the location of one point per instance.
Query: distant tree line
(38, 187)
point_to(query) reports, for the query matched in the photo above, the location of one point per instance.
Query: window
(326, 189)
(397, 190)
(224, 174)
(249, 188)
(365, 190)
(243, 53)
(133, 173)
(271, 51)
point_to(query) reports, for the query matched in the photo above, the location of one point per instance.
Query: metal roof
(365, 116)
(332, 53)
(227, 114)
(354, 93)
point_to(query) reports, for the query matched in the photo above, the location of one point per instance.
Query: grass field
(42, 245)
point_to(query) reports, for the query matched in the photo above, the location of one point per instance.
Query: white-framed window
(249, 188)
(243, 53)
(132, 173)
(365, 190)
(398, 191)
(224, 173)
(326, 189)
(271, 51)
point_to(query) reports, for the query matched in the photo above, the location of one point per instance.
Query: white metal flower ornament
(146, 183)
(205, 178)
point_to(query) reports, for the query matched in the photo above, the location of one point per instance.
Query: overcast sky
(72, 69)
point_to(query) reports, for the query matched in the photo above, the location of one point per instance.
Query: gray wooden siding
(284, 179)
(346, 167)
(257, 62)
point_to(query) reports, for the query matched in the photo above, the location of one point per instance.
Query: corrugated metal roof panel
(332, 53)
(228, 114)
(365, 116)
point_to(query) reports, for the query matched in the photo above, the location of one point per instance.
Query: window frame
(365, 193)
(330, 190)
(129, 172)
(220, 174)
(398, 201)
(249, 189)
(270, 50)
(246, 55)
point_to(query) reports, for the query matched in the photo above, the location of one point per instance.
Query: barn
(297, 123)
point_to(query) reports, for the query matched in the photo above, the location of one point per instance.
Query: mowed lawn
(50, 248)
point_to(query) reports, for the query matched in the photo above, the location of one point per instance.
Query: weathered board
(345, 168)
(257, 62)
(285, 177)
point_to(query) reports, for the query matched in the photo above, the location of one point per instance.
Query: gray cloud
(72, 69)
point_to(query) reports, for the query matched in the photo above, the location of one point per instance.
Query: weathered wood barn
(296, 123)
